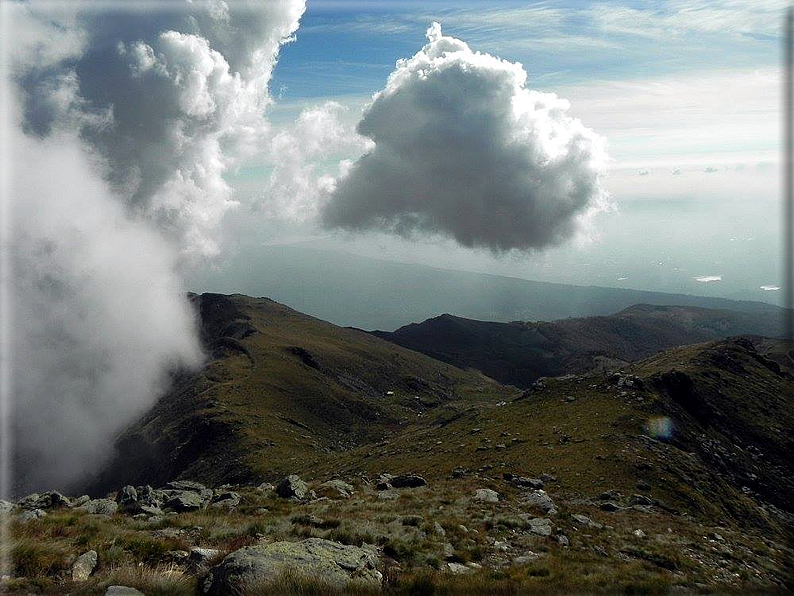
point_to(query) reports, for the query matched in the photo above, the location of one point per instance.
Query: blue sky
(350, 47)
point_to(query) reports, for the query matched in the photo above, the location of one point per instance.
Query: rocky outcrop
(334, 563)
(292, 487)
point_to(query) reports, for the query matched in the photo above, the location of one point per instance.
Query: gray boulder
(200, 557)
(586, 521)
(100, 507)
(83, 566)
(28, 501)
(524, 482)
(486, 495)
(408, 481)
(122, 591)
(335, 489)
(226, 500)
(335, 563)
(30, 514)
(49, 500)
(292, 487)
(186, 485)
(79, 501)
(127, 498)
(539, 499)
(181, 501)
(610, 506)
(6, 506)
(540, 526)
(265, 487)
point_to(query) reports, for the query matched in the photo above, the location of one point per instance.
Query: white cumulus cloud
(463, 149)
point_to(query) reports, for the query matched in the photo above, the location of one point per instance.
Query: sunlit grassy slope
(287, 393)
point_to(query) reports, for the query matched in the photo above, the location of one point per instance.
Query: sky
(686, 94)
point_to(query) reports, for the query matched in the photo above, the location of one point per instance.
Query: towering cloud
(122, 124)
(184, 91)
(463, 149)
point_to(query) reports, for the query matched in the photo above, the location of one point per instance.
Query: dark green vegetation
(683, 462)
(519, 353)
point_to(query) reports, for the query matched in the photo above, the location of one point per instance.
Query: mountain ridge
(519, 352)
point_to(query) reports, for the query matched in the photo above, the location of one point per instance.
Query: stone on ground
(486, 495)
(335, 563)
(83, 566)
(292, 487)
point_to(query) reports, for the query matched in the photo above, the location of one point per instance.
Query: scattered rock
(127, 499)
(188, 485)
(79, 501)
(408, 481)
(177, 557)
(640, 500)
(486, 495)
(540, 526)
(30, 514)
(6, 506)
(562, 539)
(265, 487)
(643, 485)
(438, 529)
(292, 487)
(335, 563)
(100, 506)
(51, 500)
(610, 506)
(335, 489)
(524, 482)
(527, 557)
(458, 568)
(639, 533)
(226, 500)
(388, 495)
(28, 501)
(541, 500)
(83, 566)
(460, 472)
(199, 557)
(586, 521)
(185, 500)
(716, 536)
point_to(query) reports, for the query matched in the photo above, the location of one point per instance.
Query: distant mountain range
(368, 293)
(519, 353)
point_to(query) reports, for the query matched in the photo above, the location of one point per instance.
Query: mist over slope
(369, 293)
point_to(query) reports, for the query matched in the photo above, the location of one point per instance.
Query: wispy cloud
(748, 18)
(706, 279)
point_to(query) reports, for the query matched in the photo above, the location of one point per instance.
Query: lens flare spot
(660, 427)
